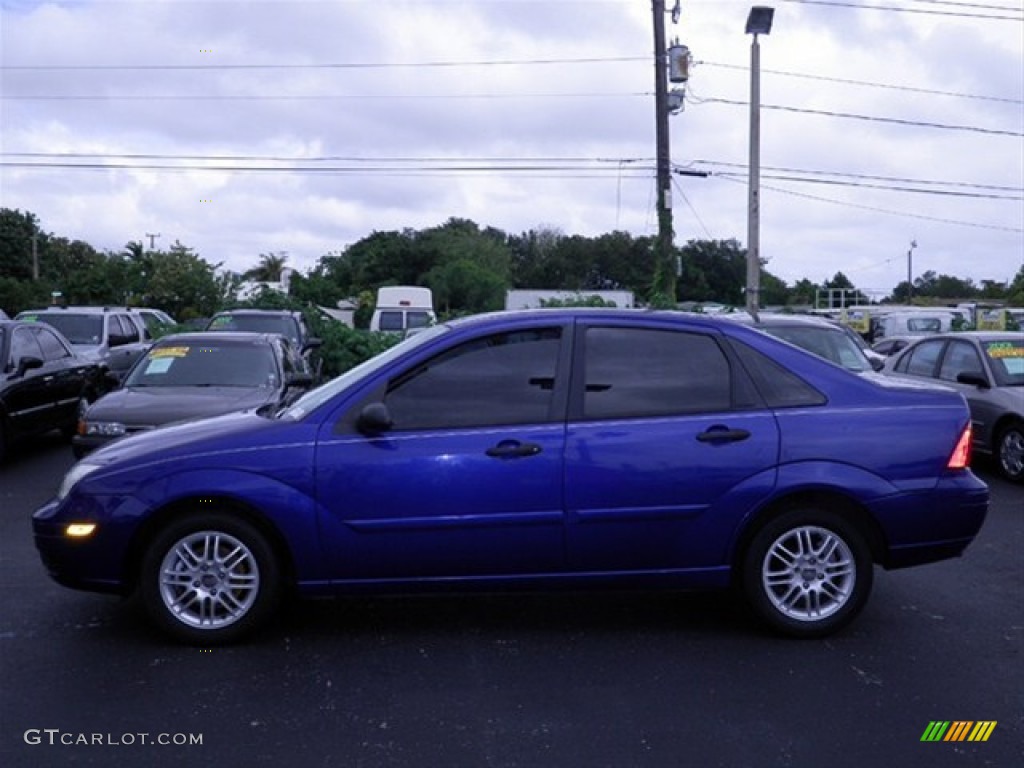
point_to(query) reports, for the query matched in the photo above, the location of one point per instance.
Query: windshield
(78, 329)
(317, 397)
(830, 343)
(1006, 356)
(206, 365)
(285, 325)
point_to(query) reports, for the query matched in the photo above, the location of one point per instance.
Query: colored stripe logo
(958, 730)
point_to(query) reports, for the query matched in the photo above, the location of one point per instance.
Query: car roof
(218, 338)
(972, 335)
(76, 309)
(780, 319)
(267, 312)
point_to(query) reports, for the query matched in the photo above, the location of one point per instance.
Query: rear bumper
(950, 517)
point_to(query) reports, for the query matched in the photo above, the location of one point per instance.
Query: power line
(899, 9)
(866, 84)
(870, 118)
(874, 209)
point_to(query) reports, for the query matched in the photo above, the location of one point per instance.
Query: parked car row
(548, 448)
(96, 374)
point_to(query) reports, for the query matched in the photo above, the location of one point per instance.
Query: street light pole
(759, 22)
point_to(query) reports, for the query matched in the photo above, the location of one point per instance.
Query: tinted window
(921, 360)
(639, 372)
(961, 357)
(125, 326)
(417, 319)
(78, 329)
(53, 348)
(503, 379)
(283, 324)
(830, 343)
(391, 321)
(778, 387)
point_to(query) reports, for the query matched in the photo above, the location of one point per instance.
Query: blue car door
(467, 480)
(667, 449)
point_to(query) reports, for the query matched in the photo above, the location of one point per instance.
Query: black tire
(807, 572)
(1009, 452)
(209, 579)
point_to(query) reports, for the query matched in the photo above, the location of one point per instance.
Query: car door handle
(723, 435)
(513, 449)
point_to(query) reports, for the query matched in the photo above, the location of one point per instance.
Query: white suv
(115, 337)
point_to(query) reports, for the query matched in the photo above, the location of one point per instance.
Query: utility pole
(35, 255)
(910, 272)
(664, 268)
(152, 238)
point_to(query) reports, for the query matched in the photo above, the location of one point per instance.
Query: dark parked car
(188, 376)
(288, 323)
(44, 384)
(543, 449)
(988, 368)
(115, 337)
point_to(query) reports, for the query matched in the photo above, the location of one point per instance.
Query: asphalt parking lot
(617, 679)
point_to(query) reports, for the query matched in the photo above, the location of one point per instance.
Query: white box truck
(403, 308)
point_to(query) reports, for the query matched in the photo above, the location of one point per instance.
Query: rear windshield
(286, 326)
(79, 329)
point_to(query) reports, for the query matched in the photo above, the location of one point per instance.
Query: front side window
(506, 378)
(53, 348)
(632, 373)
(24, 344)
(960, 357)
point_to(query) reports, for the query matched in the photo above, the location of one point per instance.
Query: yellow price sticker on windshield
(169, 352)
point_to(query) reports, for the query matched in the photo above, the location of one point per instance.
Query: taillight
(961, 457)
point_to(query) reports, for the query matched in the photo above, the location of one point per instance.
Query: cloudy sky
(242, 128)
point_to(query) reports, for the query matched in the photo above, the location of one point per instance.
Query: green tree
(269, 268)
(183, 284)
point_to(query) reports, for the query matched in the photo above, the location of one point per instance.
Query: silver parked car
(988, 368)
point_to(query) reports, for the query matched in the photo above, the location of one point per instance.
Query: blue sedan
(541, 449)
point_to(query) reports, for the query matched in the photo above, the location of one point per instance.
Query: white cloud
(398, 103)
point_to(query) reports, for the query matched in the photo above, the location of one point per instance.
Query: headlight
(104, 428)
(76, 473)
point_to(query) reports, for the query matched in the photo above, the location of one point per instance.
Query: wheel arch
(196, 505)
(824, 499)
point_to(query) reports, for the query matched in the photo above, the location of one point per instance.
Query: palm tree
(269, 269)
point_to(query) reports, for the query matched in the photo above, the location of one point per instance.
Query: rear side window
(638, 372)
(778, 387)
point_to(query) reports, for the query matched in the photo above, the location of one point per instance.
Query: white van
(916, 323)
(403, 308)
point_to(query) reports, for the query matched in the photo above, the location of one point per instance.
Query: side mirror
(974, 378)
(26, 364)
(877, 364)
(304, 380)
(118, 340)
(374, 419)
(312, 343)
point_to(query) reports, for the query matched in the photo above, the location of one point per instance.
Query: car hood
(156, 406)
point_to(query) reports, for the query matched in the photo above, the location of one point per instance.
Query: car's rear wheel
(808, 572)
(209, 579)
(1009, 451)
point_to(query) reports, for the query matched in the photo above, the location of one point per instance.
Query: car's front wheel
(209, 578)
(1009, 451)
(808, 572)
